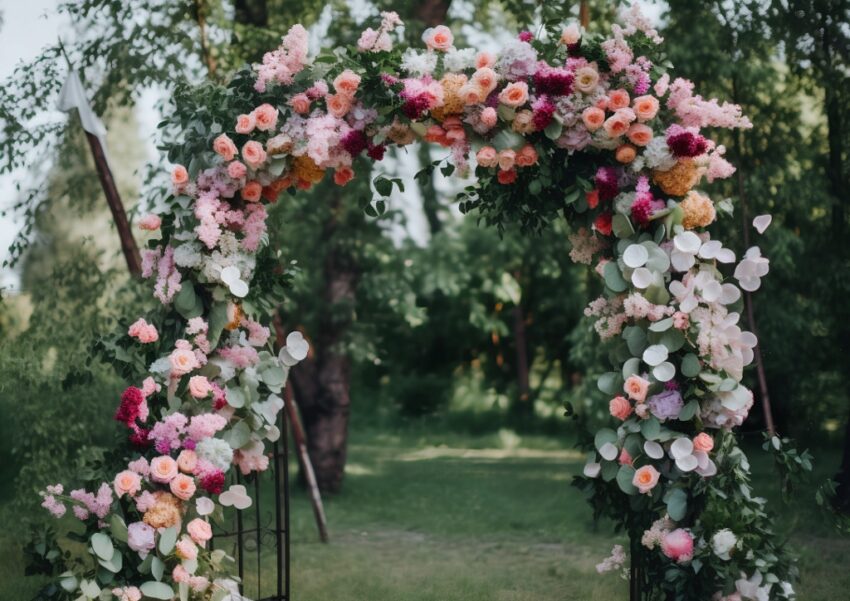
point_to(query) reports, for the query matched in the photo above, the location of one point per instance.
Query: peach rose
(199, 387)
(338, 105)
(646, 107)
(300, 103)
(646, 478)
(343, 175)
(486, 79)
(438, 38)
(254, 154)
(703, 442)
(639, 134)
(484, 59)
(472, 93)
(346, 83)
(245, 124)
(616, 125)
(487, 157)
(571, 35)
(182, 486)
(224, 147)
(199, 530)
(252, 191)
(636, 387)
(620, 408)
(179, 175)
(586, 80)
(182, 362)
(593, 118)
(515, 94)
(618, 99)
(187, 461)
(127, 483)
(507, 158)
(527, 156)
(186, 549)
(625, 154)
(507, 177)
(163, 469)
(150, 222)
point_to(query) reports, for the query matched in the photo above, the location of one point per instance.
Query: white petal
(712, 291)
(710, 249)
(750, 284)
(725, 256)
(687, 242)
(681, 261)
(688, 304)
(591, 470)
(749, 339)
(681, 447)
(641, 277)
(230, 274)
(655, 354)
(709, 470)
(635, 256)
(239, 288)
(678, 289)
(204, 505)
(688, 463)
(653, 449)
(664, 372)
(609, 451)
(761, 222)
(702, 459)
(731, 293)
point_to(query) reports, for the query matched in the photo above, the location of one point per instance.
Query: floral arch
(557, 124)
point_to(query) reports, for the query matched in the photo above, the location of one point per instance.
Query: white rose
(723, 542)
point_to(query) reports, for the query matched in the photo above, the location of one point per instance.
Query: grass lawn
(489, 518)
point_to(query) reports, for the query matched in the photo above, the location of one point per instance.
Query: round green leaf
(157, 590)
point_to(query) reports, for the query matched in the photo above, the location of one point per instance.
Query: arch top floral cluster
(562, 123)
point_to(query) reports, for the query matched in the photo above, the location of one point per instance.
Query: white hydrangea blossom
(187, 255)
(418, 63)
(657, 155)
(459, 60)
(216, 451)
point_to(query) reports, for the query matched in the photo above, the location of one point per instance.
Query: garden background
(454, 350)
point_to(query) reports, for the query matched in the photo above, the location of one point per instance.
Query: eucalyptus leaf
(167, 540)
(157, 590)
(102, 546)
(625, 475)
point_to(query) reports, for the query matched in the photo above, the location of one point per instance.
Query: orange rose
(252, 192)
(338, 105)
(515, 94)
(625, 154)
(224, 147)
(179, 175)
(593, 118)
(645, 107)
(639, 134)
(618, 99)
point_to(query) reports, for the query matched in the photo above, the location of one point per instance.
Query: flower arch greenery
(561, 123)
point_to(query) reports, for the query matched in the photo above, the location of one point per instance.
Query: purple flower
(140, 538)
(666, 405)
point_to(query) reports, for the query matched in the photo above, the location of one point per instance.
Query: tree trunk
(432, 12)
(322, 382)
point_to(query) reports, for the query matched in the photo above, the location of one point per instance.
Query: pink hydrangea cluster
(281, 65)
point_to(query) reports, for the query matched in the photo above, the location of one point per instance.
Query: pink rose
(484, 59)
(127, 483)
(140, 538)
(199, 530)
(150, 222)
(616, 125)
(639, 134)
(486, 79)
(438, 38)
(571, 35)
(179, 574)
(620, 408)
(300, 103)
(251, 192)
(224, 147)
(703, 442)
(527, 156)
(186, 549)
(199, 387)
(487, 157)
(636, 387)
(182, 486)
(179, 176)
(245, 124)
(593, 118)
(182, 361)
(254, 154)
(143, 331)
(346, 83)
(678, 545)
(515, 94)
(646, 478)
(625, 458)
(163, 469)
(343, 175)
(265, 117)
(338, 105)
(489, 117)
(187, 460)
(199, 583)
(507, 158)
(237, 170)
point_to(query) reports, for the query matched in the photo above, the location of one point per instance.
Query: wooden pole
(306, 465)
(116, 207)
(584, 14)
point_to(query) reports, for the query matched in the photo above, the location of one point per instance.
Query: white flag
(73, 96)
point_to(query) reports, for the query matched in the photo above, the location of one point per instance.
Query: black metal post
(635, 570)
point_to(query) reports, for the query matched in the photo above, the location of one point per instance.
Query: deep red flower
(131, 401)
(213, 483)
(606, 183)
(376, 152)
(354, 142)
(685, 144)
(603, 223)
